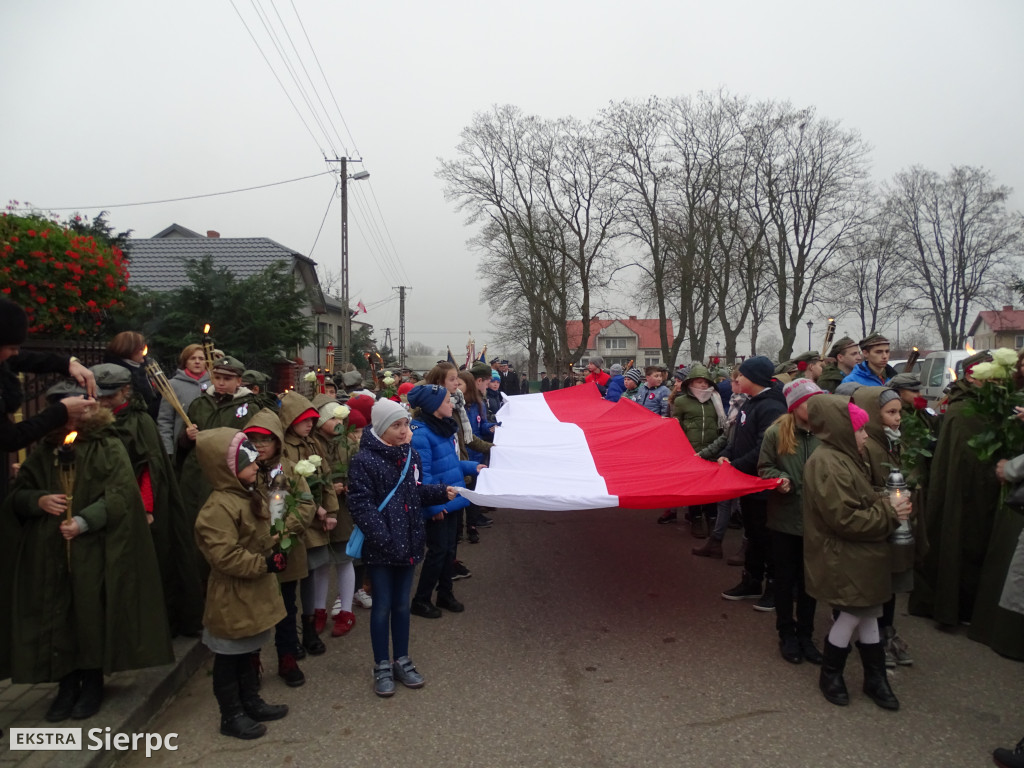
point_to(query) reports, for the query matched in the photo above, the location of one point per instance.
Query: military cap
(909, 381)
(110, 377)
(873, 340)
(786, 366)
(807, 357)
(230, 365)
(982, 356)
(480, 370)
(251, 377)
(62, 389)
(841, 346)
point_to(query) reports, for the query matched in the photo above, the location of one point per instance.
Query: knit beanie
(887, 396)
(427, 397)
(495, 376)
(356, 419)
(858, 416)
(363, 404)
(799, 391)
(385, 413)
(13, 324)
(636, 375)
(758, 369)
(615, 370)
(405, 388)
(326, 412)
(241, 453)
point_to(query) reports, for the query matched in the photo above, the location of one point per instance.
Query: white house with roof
(621, 340)
(159, 263)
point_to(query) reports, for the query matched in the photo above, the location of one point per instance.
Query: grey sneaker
(406, 673)
(897, 649)
(383, 679)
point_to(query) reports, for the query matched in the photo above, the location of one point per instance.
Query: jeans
(391, 586)
(725, 510)
(788, 551)
(758, 562)
(286, 633)
(438, 564)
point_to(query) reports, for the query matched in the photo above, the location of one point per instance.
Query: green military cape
(963, 496)
(107, 610)
(172, 533)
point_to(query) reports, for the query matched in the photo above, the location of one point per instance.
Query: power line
(317, 238)
(190, 197)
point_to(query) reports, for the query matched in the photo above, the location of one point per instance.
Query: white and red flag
(362, 307)
(572, 449)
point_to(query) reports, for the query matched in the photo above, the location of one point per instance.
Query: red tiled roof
(1005, 319)
(648, 335)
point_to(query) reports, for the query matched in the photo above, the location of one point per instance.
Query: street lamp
(810, 324)
(345, 343)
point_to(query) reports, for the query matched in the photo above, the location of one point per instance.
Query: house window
(1018, 341)
(615, 343)
(652, 360)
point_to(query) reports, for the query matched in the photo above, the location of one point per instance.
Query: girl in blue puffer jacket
(386, 498)
(434, 438)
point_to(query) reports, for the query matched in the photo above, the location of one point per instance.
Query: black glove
(276, 562)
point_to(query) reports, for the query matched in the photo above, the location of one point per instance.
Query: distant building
(998, 328)
(621, 340)
(159, 263)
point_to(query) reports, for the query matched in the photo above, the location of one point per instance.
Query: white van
(939, 369)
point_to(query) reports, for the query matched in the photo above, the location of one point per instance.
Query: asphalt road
(595, 639)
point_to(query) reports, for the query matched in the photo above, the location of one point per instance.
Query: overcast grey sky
(119, 101)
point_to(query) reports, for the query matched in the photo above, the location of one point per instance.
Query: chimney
(213, 234)
(1008, 308)
(632, 317)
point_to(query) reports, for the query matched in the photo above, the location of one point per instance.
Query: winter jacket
(481, 429)
(242, 597)
(394, 535)
(846, 522)
(785, 510)
(654, 400)
(831, 377)
(756, 415)
(305, 511)
(616, 386)
(298, 448)
(494, 402)
(187, 389)
(601, 378)
(441, 465)
(698, 420)
(862, 374)
(104, 611)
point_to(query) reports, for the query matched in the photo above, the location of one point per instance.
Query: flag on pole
(572, 449)
(483, 354)
(451, 358)
(361, 306)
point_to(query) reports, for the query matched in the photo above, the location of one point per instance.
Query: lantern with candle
(898, 490)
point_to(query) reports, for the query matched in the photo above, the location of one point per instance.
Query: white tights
(847, 625)
(346, 585)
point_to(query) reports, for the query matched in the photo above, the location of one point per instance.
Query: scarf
(459, 410)
(446, 427)
(703, 395)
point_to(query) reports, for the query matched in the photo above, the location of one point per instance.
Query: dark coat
(141, 387)
(847, 524)
(14, 437)
(616, 386)
(106, 610)
(441, 465)
(963, 498)
(756, 415)
(394, 535)
(172, 534)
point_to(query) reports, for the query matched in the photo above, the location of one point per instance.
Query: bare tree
(961, 237)
(815, 177)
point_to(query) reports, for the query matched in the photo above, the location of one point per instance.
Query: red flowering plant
(67, 281)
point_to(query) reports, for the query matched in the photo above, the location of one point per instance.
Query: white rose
(1005, 357)
(387, 373)
(388, 381)
(988, 371)
(341, 412)
(309, 377)
(304, 468)
(315, 460)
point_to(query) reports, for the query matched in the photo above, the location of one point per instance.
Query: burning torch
(66, 467)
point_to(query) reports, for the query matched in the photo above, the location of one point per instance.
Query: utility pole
(401, 323)
(387, 340)
(345, 342)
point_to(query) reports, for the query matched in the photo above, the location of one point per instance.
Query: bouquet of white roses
(1002, 435)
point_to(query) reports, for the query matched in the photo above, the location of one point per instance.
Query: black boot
(830, 679)
(310, 639)
(233, 719)
(249, 691)
(91, 697)
(67, 696)
(876, 683)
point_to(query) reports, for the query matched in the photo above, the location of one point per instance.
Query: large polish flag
(572, 449)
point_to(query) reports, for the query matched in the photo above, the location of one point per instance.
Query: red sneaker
(320, 619)
(343, 622)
